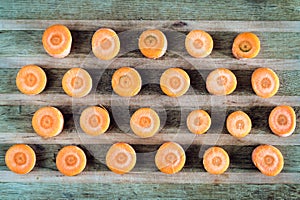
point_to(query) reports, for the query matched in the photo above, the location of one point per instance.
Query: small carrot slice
(57, 41)
(77, 82)
(145, 122)
(282, 120)
(94, 120)
(20, 158)
(174, 82)
(268, 159)
(238, 124)
(71, 160)
(31, 80)
(221, 82)
(246, 45)
(198, 43)
(215, 160)
(265, 82)
(170, 158)
(153, 43)
(120, 158)
(198, 121)
(48, 122)
(126, 82)
(105, 44)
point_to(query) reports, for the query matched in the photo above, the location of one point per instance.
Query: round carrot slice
(238, 124)
(246, 45)
(198, 121)
(31, 80)
(121, 158)
(265, 82)
(215, 160)
(198, 43)
(145, 122)
(77, 82)
(170, 158)
(70, 160)
(153, 43)
(126, 82)
(174, 82)
(268, 159)
(94, 120)
(57, 41)
(20, 158)
(282, 120)
(221, 82)
(48, 122)
(105, 44)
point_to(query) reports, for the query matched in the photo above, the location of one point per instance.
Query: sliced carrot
(170, 158)
(198, 43)
(238, 124)
(126, 82)
(120, 158)
(77, 82)
(145, 122)
(57, 41)
(198, 121)
(174, 82)
(216, 160)
(20, 158)
(246, 45)
(31, 80)
(153, 43)
(48, 122)
(282, 120)
(268, 159)
(221, 82)
(265, 82)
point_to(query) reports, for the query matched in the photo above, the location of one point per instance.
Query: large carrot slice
(20, 158)
(238, 124)
(215, 160)
(246, 45)
(198, 43)
(198, 121)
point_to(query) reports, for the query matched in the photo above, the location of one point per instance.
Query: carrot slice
(282, 120)
(20, 158)
(48, 122)
(268, 159)
(57, 41)
(198, 121)
(198, 43)
(170, 158)
(174, 82)
(265, 82)
(77, 82)
(120, 158)
(238, 124)
(126, 82)
(70, 160)
(145, 122)
(215, 160)
(94, 120)
(31, 80)
(246, 45)
(105, 44)
(153, 43)
(221, 82)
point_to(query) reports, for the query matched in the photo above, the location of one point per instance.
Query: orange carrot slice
(20, 158)
(198, 121)
(268, 159)
(57, 41)
(238, 124)
(246, 45)
(198, 43)
(120, 158)
(126, 82)
(31, 80)
(170, 158)
(153, 43)
(48, 122)
(215, 160)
